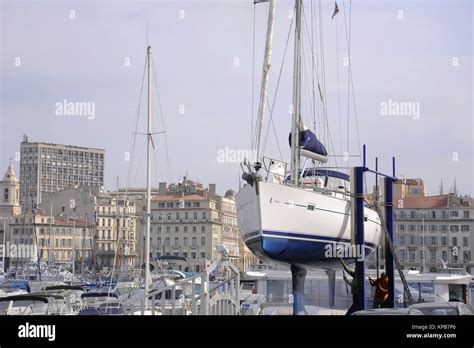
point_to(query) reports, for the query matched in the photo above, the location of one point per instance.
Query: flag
(336, 10)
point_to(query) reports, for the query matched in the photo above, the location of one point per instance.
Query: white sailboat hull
(296, 226)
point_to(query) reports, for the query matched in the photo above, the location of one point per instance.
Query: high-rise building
(46, 168)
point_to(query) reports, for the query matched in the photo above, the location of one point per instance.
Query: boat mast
(148, 181)
(266, 69)
(295, 149)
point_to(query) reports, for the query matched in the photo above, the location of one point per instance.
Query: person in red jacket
(381, 292)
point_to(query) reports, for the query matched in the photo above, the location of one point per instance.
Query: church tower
(10, 193)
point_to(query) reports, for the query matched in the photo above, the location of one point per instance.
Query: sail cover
(308, 141)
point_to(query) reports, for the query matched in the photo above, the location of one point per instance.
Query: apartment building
(114, 218)
(434, 231)
(59, 240)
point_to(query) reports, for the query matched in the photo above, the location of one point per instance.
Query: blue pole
(360, 268)
(389, 223)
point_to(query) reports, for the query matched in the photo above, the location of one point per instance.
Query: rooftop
(435, 202)
(177, 197)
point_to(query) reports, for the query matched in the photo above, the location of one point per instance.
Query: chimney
(212, 190)
(162, 188)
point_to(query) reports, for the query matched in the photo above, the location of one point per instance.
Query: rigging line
(350, 76)
(312, 71)
(324, 113)
(274, 129)
(253, 82)
(338, 88)
(168, 162)
(134, 134)
(277, 88)
(348, 73)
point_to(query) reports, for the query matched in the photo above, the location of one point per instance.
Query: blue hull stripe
(308, 236)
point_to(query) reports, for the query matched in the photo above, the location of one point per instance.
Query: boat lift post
(357, 225)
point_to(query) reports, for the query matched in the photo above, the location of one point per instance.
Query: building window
(177, 216)
(402, 255)
(169, 205)
(432, 240)
(194, 229)
(465, 228)
(432, 254)
(402, 214)
(185, 241)
(455, 241)
(412, 214)
(169, 216)
(195, 215)
(401, 228)
(412, 255)
(443, 228)
(412, 240)
(6, 194)
(467, 256)
(176, 228)
(203, 241)
(176, 242)
(466, 214)
(454, 213)
(412, 228)
(203, 255)
(203, 228)
(185, 228)
(433, 228)
(196, 204)
(186, 216)
(454, 228)
(194, 242)
(402, 240)
(444, 255)
(465, 241)
(444, 241)
(204, 216)
(168, 229)
(433, 214)
(167, 241)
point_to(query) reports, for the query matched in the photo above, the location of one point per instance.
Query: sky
(403, 53)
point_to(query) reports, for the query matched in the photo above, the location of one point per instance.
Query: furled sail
(309, 142)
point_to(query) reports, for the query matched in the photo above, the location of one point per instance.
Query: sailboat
(300, 217)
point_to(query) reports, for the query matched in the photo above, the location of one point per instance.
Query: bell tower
(10, 193)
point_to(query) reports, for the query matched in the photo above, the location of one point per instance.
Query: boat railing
(196, 295)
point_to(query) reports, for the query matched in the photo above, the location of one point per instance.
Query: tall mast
(148, 181)
(295, 149)
(266, 69)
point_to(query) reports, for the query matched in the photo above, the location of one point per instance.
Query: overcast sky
(94, 51)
